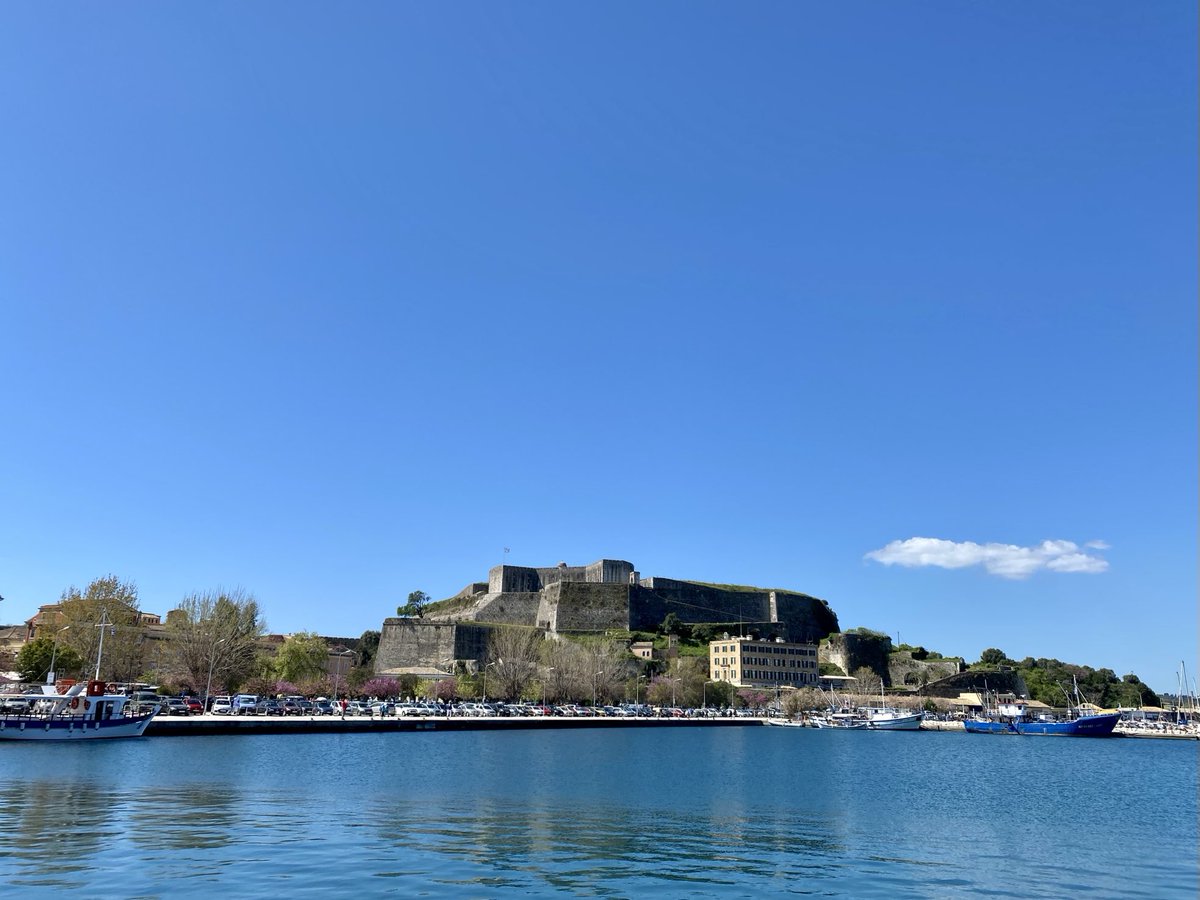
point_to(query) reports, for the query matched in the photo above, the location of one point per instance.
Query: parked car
(222, 706)
(245, 704)
(175, 706)
(357, 708)
(323, 707)
(290, 707)
(267, 707)
(194, 706)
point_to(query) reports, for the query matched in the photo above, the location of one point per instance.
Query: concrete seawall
(171, 726)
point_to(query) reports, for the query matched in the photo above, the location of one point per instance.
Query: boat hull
(896, 723)
(38, 728)
(1085, 726)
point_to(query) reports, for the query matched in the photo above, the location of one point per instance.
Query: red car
(195, 707)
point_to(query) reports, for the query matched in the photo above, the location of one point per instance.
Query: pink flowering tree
(443, 689)
(382, 688)
(752, 698)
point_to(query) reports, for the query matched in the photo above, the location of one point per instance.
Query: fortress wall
(590, 607)
(414, 642)
(807, 618)
(978, 681)
(509, 608)
(471, 642)
(904, 670)
(407, 643)
(850, 652)
(609, 571)
(653, 598)
(517, 579)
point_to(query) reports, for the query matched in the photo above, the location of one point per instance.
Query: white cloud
(1098, 545)
(1005, 560)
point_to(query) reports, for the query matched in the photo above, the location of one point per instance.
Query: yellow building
(745, 662)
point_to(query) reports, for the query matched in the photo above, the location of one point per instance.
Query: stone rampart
(850, 652)
(509, 608)
(978, 681)
(798, 617)
(915, 673)
(406, 643)
(589, 607)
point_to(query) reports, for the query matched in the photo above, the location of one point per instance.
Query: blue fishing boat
(1014, 717)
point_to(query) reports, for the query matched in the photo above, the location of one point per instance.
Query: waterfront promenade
(210, 724)
(172, 726)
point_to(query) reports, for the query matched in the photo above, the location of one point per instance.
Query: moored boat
(84, 712)
(1014, 717)
(843, 719)
(892, 719)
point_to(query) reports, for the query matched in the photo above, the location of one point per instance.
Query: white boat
(84, 712)
(891, 719)
(841, 718)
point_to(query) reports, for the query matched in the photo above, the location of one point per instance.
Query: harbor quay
(169, 726)
(210, 724)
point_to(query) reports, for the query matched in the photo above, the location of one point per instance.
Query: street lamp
(485, 668)
(594, 677)
(637, 683)
(212, 660)
(54, 655)
(337, 669)
(548, 671)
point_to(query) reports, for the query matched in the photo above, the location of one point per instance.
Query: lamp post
(337, 669)
(54, 655)
(548, 671)
(212, 661)
(594, 677)
(485, 668)
(637, 702)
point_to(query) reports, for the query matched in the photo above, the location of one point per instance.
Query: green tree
(34, 659)
(364, 653)
(113, 603)
(301, 656)
(992, 657)
(417, 601)
(718, 694)
(672, 624)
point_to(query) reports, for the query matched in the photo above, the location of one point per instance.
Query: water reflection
(39, 819)
(615, 814)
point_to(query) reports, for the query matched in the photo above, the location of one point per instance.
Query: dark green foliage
(364, 654)
(1053, 682)
(417, 601)
(992, 657)
(672, 624)
(33, 660)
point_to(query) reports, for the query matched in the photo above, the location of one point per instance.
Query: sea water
(671, 812)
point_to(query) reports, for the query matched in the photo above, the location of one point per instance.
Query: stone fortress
(606, 596)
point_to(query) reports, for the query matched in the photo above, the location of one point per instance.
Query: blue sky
(334, 303)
